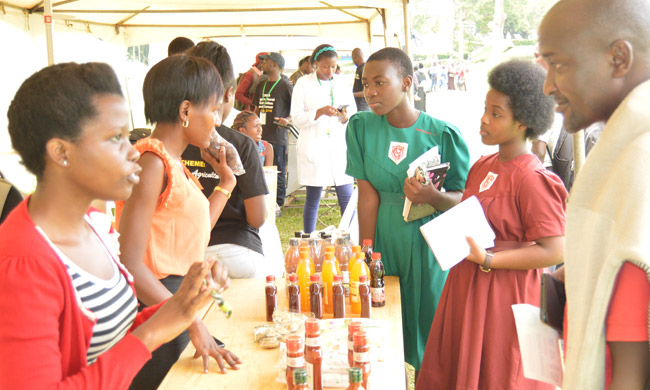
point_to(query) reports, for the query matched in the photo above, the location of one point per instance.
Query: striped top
(111, 302)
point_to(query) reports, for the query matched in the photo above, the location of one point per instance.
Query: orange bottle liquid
(353, 258)
(328, 272)
(359, 268)
(332, 249)
(306, 250)
(304, 271)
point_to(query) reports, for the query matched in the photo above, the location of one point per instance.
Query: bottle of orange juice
(332, 249)
(328, 272)
(353, 258)
(304, 271)
(305, 249)
(358, 268)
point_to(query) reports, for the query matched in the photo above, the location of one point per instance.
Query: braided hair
(241, 119)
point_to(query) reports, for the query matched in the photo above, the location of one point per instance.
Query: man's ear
(621, 56)
(407, 82)
(229, 94)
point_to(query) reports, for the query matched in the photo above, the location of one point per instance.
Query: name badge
(262, 118)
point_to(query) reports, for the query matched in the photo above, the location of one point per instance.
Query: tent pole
(407, 28)
(47, 15)
(383, 21)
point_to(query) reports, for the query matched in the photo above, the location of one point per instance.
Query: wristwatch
(486, 264)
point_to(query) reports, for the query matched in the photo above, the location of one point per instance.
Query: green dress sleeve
(354, 137)
(455, 151)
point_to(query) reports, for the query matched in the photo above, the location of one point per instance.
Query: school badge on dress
(397, 151)
(490, 178)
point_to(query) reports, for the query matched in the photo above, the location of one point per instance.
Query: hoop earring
(186, 122)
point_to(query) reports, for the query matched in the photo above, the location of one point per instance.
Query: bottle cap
(367, 242)
(376, 256)
(356, 249)
(363, 278)
(360, 338)
(354, 327)
(270, 278)
(312, 325)
(293, 277)
(322, 234)
(330, 248)
(356, 374)
(299, 376)
(294, 343)
(329, 256)
(338, 278)
(298, 234)
(294, 241)
(326, 236)
(313, 277)
(305, 235)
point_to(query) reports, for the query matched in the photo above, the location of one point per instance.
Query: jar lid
(299, 376)
(270, 278)
(376, 256)
(312, 325)
(356, 374)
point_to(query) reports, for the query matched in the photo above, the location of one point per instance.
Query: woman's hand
(206, 347)
(476, 253)
(419, 193)
(227, 179)
(328, 111)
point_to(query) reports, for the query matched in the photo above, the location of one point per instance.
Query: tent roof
(164, 18)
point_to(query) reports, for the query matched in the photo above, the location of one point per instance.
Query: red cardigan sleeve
(243, 87)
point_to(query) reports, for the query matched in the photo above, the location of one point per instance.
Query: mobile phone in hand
(220, 343)
(341, 107)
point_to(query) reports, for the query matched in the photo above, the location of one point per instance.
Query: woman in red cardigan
(70, 316)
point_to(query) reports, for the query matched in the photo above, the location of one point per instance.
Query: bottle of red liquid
(313, 354)
(300, 379)
(356, 378)
(362, 355)
(292, 257)
(316, 296)
(293, 292)
(377, 287)
(367, 250)
(295, 358)
(353, 327)
(364, 296)
(338, 296)
(271, 297)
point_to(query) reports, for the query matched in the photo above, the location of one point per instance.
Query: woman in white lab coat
(320, 107)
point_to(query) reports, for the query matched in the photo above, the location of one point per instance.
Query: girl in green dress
(381, 144)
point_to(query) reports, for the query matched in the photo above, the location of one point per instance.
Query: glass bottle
(331, 249)
(293, 291)
(295, 358)
(304, 273)
(315, 255)
(329, 270)
(315, 297)
(313, 354)
(343, 255)
(364, 296)
(338, 296)
(300, 379)
(362, 354)
(353, 327)
(367, 250)
(292, 256)
(355, 378)
(377, 287)
(359, 268)
(271, 297)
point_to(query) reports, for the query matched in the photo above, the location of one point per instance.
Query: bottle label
(312, 341)
(346, 277)
(351, 345)
(362, 357)
(354, 292)
(378, 294)
(310, 375)
(295, 362)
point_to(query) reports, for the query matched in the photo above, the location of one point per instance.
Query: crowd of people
(93, 304)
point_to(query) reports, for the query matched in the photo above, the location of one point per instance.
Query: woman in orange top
(165, 225)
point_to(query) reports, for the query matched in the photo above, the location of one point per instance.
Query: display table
(258, 370)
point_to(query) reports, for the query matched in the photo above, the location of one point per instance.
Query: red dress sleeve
(542, 205)
(627, 319)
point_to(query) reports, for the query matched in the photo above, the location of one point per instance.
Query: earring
(186, 122)
(65, 163)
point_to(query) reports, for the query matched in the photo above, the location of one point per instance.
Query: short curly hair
(397, 58)
(53, 103)
(523, 83)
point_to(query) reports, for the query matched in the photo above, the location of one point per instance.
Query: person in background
(304, 68)
(70, 312)
(248, 84)
(320, 105)
(179, 45)
(357, 88)
(419, 95)
(248, 123)
(381, 145)
(235, 238)
(273, 101)
(165, 225)
(473, 340)
(597, 54)
(10, 197)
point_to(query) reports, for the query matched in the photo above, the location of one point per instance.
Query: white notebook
(446, 233)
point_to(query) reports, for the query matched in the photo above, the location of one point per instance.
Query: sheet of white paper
(431, 154)
(539, 345)
(446, 234)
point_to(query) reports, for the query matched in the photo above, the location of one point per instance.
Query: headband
(323, 50)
